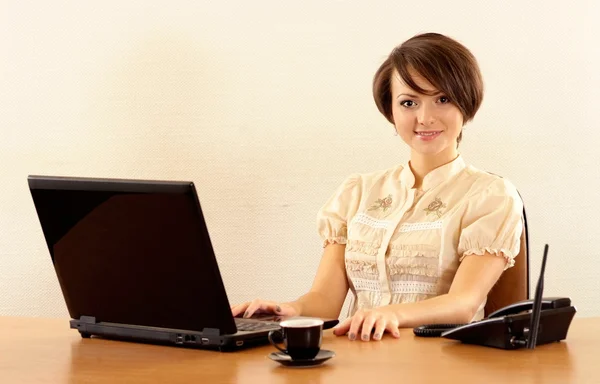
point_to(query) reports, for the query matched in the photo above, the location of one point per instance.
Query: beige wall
(266, 105)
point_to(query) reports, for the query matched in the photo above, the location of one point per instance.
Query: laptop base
(209, 339)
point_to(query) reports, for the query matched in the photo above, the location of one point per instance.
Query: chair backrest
(513, 284)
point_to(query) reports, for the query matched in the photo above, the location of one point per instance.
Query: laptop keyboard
(255, 325)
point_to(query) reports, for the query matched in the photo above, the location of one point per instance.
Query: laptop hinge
(211, 331)
(82, 323)
(88, 319)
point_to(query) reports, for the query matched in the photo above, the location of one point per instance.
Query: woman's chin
(428, 149)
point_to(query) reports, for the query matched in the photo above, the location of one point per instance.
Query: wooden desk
(47, 351)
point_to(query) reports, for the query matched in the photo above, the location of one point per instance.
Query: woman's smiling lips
(427, 135)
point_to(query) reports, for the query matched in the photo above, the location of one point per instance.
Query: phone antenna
(534, 324)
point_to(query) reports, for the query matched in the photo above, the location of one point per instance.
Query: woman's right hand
(258, 306)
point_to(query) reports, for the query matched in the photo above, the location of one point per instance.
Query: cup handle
(273, 342)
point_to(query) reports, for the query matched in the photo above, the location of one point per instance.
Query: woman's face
(430, 125)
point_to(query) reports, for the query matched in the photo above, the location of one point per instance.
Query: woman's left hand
(364, 322)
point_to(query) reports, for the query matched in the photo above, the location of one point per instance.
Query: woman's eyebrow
(415, 96)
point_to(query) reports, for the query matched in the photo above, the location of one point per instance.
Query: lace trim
(418, 287)
(362, 247)
(334, 240)
(411, 227)
(369, 267)
(371, 221)
(397, 287)
(413, 247)
(366, 285)
(422, 270)
(421, 262)
(429, 268)
(506, 253)
(413, 250)
(400, 253)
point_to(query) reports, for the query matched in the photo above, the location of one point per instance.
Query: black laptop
(135, 262)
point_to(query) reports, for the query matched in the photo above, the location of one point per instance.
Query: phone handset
(527, 305)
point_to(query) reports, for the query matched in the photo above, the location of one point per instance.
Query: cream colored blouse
(405, 244)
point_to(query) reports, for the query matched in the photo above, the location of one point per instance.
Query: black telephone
(526, 323)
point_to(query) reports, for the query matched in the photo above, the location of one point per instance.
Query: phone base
(512, 331)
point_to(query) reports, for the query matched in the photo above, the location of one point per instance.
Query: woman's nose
(425, 115)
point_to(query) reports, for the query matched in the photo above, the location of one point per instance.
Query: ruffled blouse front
(405, 244)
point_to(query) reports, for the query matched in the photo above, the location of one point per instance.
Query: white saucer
(286, 360)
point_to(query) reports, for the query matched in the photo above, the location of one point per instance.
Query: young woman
(422, 242)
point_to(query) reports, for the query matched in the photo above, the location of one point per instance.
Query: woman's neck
(421, 164)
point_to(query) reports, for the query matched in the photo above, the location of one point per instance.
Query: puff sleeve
(341, 206)
(492, 223)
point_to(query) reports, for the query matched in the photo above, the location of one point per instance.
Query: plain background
(267, 107)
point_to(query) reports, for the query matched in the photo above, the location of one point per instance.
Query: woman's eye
(407, 103)
(444, 100)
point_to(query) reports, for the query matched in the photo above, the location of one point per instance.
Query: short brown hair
(448, 65)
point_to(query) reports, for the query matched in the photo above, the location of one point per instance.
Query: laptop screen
(132, 252)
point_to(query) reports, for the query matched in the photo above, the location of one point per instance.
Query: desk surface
(47, 351)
